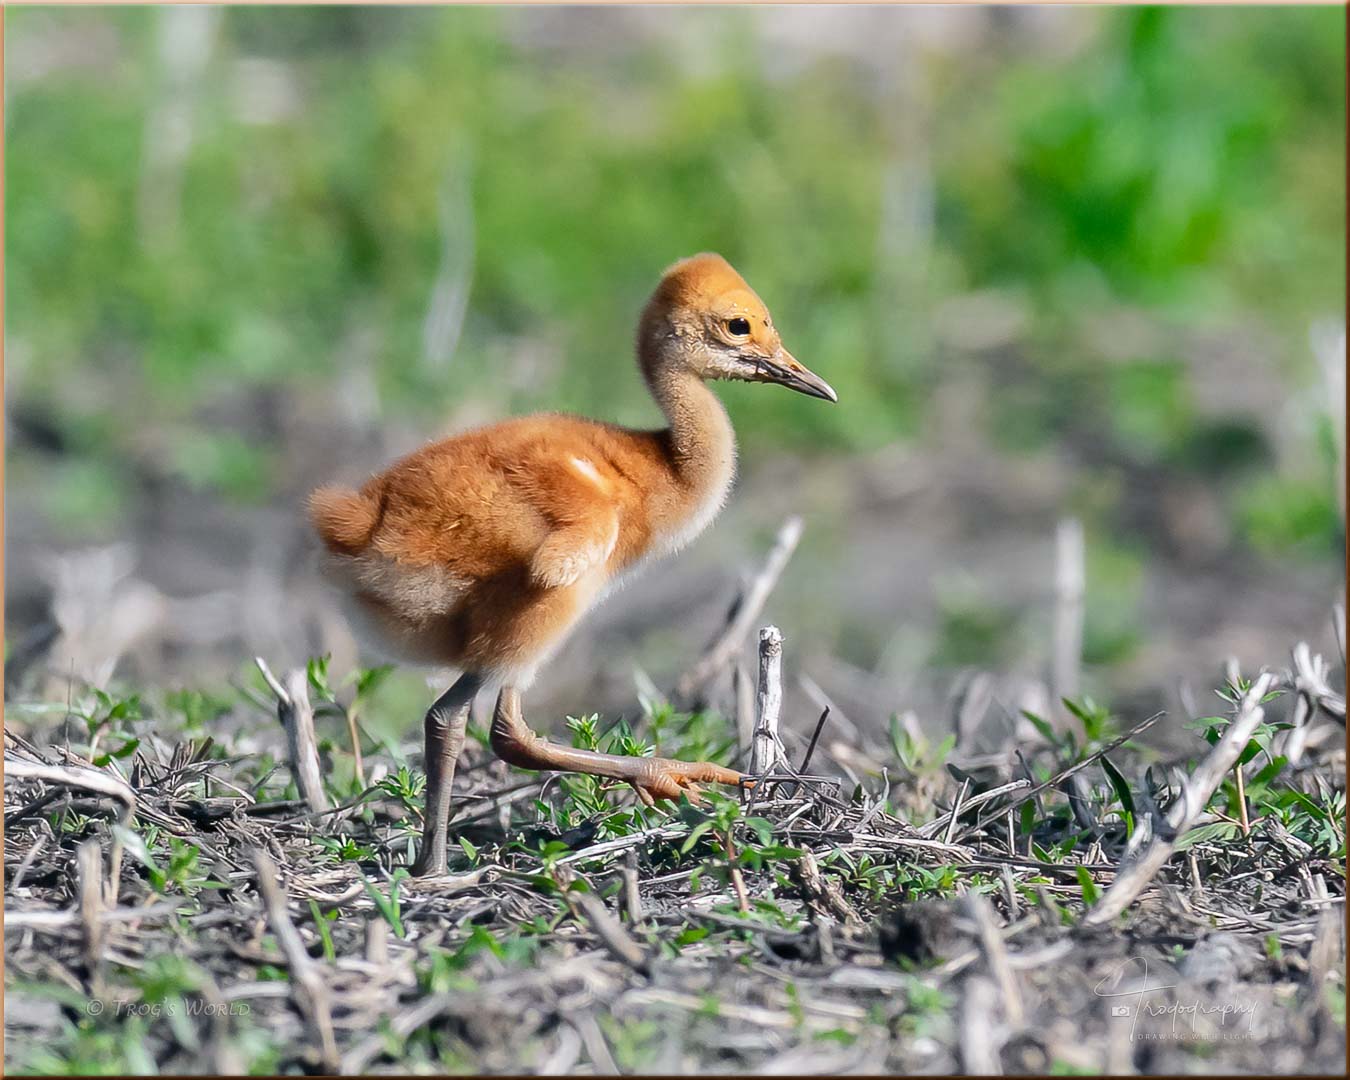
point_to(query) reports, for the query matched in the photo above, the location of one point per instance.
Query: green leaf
(368, 679)
(1047, 732)
(762, 828)
(691, 934)
(1308, 803)
(388, 905)
(1219, 830)
(553, 849)
(694, 835)
(1122, 789)
(325, 935)
(1027, 817)
(125, 750)
(134, 845)
(316, 671)
(1269, 772)
(543, 883)
(1208, 726)
(1089, 887)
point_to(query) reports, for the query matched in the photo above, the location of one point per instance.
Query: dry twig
(89, 869)
(315, 999)
(608, 929)
(297, 717)
(766, 751)
(995, 956)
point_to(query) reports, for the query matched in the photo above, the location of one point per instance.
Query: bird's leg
(444, 728)
(653, 778)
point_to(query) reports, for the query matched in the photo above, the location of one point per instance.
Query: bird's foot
(664, 778)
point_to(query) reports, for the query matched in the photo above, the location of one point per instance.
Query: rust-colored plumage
(481, 551)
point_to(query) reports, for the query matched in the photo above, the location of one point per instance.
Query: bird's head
(703, 318)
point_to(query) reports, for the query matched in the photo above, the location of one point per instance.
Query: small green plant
(365, 682)
(1099, 725)
(406, 787)
(915, 753)
(1091, 892)
(196, 707)
(321, 922)
(739, 844)
(698, 736)
(634, 1042)
(176, 870)
(1318, 822)
(90, 1048)
(584, 798)
(111, 717)
(389, 906)
(926, 1007)
(1236, 789)
(875, 878)
(1334, 995)
(344, 848)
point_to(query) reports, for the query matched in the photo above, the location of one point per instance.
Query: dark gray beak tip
(814, 386)
(787, 371)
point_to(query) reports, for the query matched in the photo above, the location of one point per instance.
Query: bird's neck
(702, 444)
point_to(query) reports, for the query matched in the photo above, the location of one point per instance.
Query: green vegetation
(735, 893)
(337, 158)
(1079, 250)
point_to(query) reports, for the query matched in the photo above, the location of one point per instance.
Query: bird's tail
(344, 519)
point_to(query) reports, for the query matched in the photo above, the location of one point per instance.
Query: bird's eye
(739, 327)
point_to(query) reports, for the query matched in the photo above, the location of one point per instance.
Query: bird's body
(480, 552)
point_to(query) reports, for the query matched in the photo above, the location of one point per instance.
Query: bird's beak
(786, 370)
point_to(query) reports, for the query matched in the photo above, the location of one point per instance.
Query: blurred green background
(1056, 262)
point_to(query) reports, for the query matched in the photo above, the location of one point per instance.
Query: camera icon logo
(1120, 1010)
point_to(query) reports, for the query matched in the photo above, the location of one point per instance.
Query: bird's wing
(574, 495)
